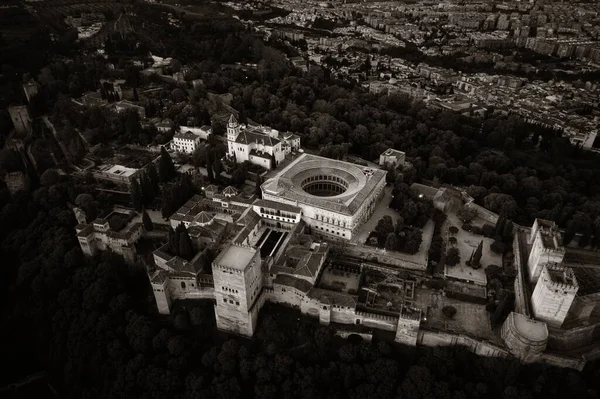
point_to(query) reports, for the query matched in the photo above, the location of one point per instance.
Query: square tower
(159, 279)
(20, 118)
(233, 131)
(546, 247)
(553, 294)
(238, 282)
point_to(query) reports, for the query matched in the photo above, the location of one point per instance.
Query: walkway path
(382, 209)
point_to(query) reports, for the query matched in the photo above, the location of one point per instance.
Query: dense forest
(92, 325)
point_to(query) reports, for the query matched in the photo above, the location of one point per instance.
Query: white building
(258, 144)
(188, 138)
(336, 197)
(392, 157)
(117, 232)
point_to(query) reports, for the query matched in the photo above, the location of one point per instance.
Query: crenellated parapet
(560, 278)
(546, 247)
(554, 294)
(525, 337)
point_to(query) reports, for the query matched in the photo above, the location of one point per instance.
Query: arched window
(183, 285)
(324, 307)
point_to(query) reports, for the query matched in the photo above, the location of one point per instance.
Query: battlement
(235, 258)
(377, 316)
(549, 234)
(407, 313)
(560, 278)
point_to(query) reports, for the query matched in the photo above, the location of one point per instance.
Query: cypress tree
(257, 189)
(166, 168)
(500, 224)
(508, 230)
(153, 177)
(476, 262)
(185, 248)
(148, 225)
(137, 199)
(209, 172)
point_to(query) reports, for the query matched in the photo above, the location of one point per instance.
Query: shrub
(466, 214)
(452, 257)
(488, 230)
(449, 311)
(435, 284)
(498, 247)
(466, 227)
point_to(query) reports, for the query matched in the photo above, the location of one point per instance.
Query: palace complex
(297, 246)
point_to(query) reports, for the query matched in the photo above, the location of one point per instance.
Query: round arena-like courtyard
(324, 185)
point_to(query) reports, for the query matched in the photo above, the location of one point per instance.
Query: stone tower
(553, 294)
(409, 323)
(238, 284)
(159, 279)
(20, 118)
(546, 247)
(233, 130)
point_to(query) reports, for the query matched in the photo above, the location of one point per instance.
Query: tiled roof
(277, 205)
(361, 183)
(230, 191)
(290, 281)
(203, 217)
(158, 276)
(188, 135)
(250, 135)
(332, 297)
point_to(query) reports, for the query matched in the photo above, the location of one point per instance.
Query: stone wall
(481, 348)
(373, 320)
(483, 213)
(574, 338)
(285, 295)
(561, 361)
(388, 258)
(343, 315)
(521, 299)
(181, 287)
(524, 336)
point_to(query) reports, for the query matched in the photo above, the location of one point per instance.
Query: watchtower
(238, 283)
(233, 131)
(553, 294)
(20, 118)
(159, 279)
(409, 322)
(546, 247)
